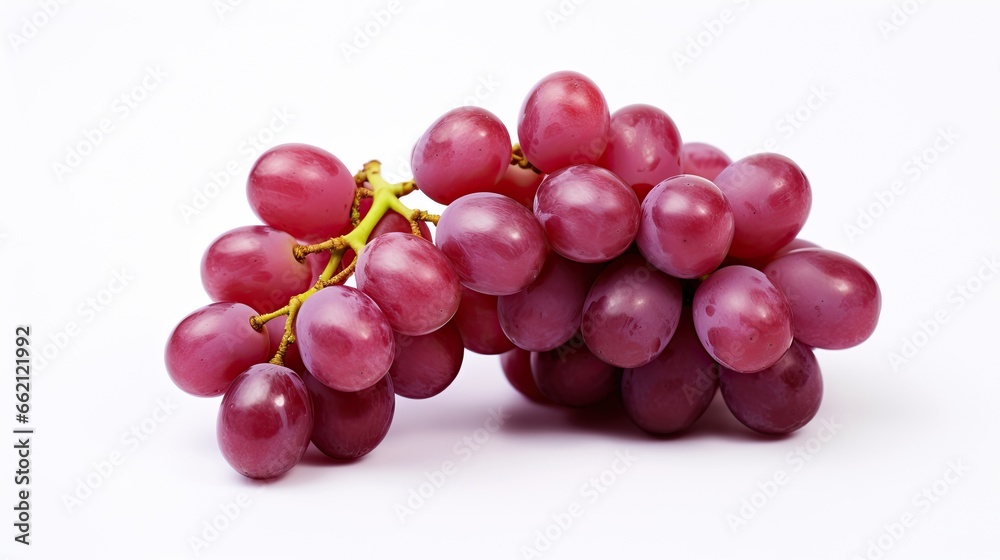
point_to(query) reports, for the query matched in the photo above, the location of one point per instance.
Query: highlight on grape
(600, 256)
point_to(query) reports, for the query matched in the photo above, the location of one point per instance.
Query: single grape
(520, 183)
(770, 198)
(703, 160)
(344, 338)
(303, 190)
(572, 376)
(742, 319)
(478, 322)
(547, 313)
(644, 149)
(349, 425)
(264, 422)
(426, 365)
(467, 150)
(631, 312)
(495, 244)
(670, 393)
(516, 365)
(686, 227)
(254, 265)
(213, 345)
(564, 121)
(835, 301)
(588, 213)
(395, 222)
(779, 399)
(411, 281)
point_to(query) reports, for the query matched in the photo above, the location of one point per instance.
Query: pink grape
(572, 376)
(411, 280)
(303, 190)
(344, 338)
(770, 197)
(547, 313)
(780, 399)
(742, 319)
(213, 345)
(564, 121)
(520, 184)
(516, 365)
(645, 147)
(703, 160)
(264, 422)
(588, 213)
(426, 365)
(478, 322)
(686, 227)
(467, 150)
(631, 312)
(349, 425)
(835, 301)
(495, 244)
(254, 265)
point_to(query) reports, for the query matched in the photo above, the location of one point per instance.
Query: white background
(222, 75)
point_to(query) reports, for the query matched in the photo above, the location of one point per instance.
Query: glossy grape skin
(265, 421)
(254, 265)
(670, 393)
(467, 150)
(703, 160)
(631, 312)
(644, 147)
(411, 280)
(478, 322)
(495, 244)
(686, 227)
(742, 319)
(572, 376)
(302, 190)
(520, 183)
(547, 313)
(588, 214)
(516, 365)
(770, 197)
(344, 338)
(779, 399)
(835, 301)
(211, 346)
(564, 121)
(349, 425)
(426, 365)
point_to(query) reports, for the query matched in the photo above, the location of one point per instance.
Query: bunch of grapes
(600, 257)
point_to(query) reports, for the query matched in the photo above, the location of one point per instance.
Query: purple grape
(686, 227)
(411, 281)
(742, 319)
(467, 150)
(670, 393)
(344, 338)
(631, 312)
(254, 265)
(572, 376)
(779, 399)
(264, 422)
(588, 213)
(547, 313)
(770, 198)
(495, 244)
(213, 345)
(564, 121)
(302, 190)
(426, 365)
(349, 425)
(645, 147)
(703, 160)
(835, 301)
(516, 365)
(478, 322)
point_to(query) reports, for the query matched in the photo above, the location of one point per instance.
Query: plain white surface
(879, 96)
